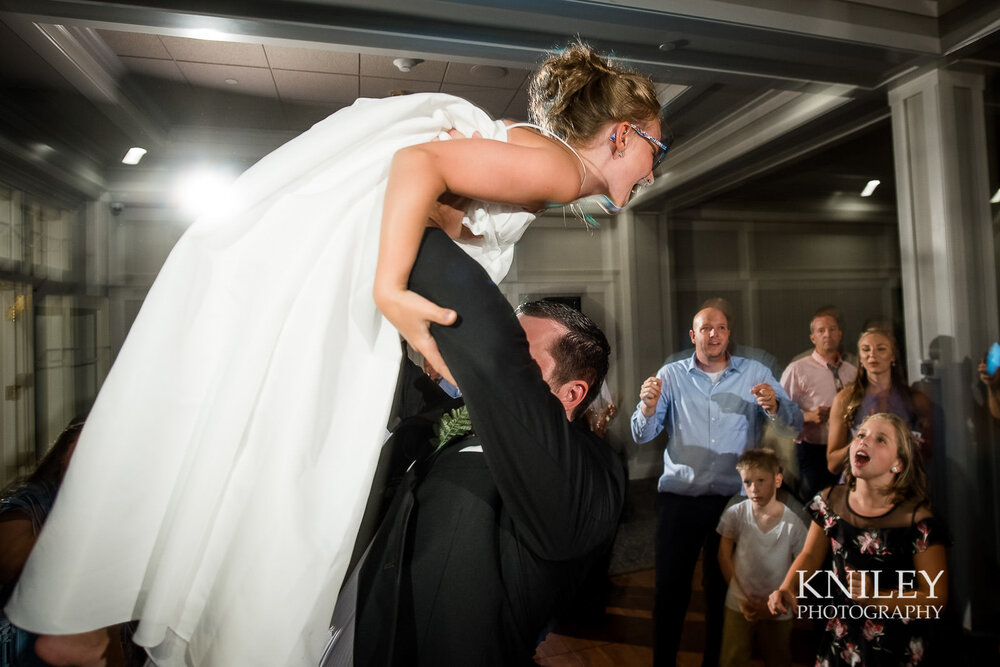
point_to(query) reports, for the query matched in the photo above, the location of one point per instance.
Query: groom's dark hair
(581, 354)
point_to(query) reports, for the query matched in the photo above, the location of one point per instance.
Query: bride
(218, 485)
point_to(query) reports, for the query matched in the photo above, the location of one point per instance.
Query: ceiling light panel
(252, 80)
(218, 53)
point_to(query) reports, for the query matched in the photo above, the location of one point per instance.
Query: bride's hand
(412, 316)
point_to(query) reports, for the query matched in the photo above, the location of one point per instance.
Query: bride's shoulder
(527, 134)
(520, 128)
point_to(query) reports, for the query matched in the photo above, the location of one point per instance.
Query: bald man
(714, 406)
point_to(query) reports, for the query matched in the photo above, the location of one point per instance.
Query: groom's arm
(560, 485)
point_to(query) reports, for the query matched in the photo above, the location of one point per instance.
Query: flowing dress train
(219, 482)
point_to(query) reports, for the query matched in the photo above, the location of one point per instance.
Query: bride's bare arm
(480, 169)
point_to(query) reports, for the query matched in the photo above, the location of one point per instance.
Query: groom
(491, 531)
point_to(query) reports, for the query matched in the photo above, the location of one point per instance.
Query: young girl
(888, 554)
(227, 460)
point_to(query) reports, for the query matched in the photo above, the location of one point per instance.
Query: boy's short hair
(759, 458)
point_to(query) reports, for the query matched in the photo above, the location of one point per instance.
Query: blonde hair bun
(577, 90)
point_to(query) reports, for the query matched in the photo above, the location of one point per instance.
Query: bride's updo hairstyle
(576, 91)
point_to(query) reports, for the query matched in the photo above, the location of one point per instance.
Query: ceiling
(748, 88)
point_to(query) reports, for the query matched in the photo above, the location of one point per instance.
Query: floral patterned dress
(884, 545)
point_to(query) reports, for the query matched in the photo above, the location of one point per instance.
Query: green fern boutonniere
(452, 425)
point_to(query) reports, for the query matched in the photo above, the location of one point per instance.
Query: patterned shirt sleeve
(928, 532)
(821, 513)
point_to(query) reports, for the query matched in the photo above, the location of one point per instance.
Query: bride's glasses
(587, 207)
(660, 148)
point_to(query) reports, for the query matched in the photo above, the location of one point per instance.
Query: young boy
(761, 537)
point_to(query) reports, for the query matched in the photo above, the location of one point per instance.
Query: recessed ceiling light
(870, 188)
(406, 64)
(488, 71)
(675, 44)
(232, 82)
(134, 155)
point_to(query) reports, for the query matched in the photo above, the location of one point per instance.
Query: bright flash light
(203, 192)
(134, 155)
(870, 188)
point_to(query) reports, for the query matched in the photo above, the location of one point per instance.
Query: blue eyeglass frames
(661, 148)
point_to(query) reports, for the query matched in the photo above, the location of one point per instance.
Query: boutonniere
(452, 425)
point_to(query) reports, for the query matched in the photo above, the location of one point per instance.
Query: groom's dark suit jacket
(478, 549)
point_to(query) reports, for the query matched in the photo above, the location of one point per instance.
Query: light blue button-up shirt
(709, 425)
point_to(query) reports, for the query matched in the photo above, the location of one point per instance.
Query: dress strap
(547, 133)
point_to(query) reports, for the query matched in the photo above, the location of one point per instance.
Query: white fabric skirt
(218, 485)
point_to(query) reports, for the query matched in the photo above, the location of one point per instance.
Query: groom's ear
(570, 394)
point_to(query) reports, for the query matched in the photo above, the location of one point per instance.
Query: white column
(946, 238)
(950, 304)
(645, 299)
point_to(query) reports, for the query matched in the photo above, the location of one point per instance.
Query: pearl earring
(894, 469)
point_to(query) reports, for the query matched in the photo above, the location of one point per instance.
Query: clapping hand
(766, 398)
(649, 394)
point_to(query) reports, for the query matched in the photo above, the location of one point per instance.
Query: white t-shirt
(760, 560)
(714, 377)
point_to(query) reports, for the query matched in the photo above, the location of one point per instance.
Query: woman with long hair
(878, 387)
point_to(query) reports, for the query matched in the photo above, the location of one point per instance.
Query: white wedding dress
(222, 474)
